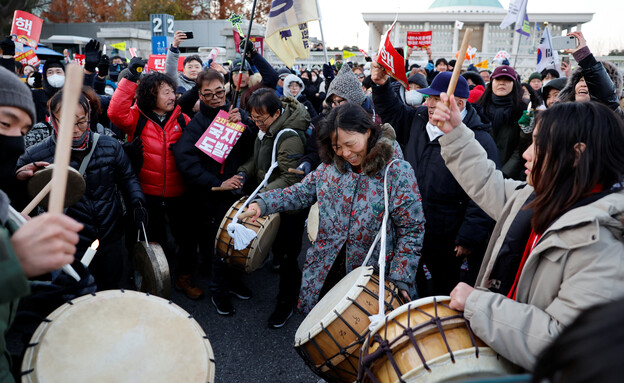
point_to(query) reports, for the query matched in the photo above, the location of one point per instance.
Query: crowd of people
(505, 195)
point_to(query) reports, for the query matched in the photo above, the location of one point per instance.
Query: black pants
(177, 214)
(286, 248)
(108, 264)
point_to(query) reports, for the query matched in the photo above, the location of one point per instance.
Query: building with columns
(484, 17)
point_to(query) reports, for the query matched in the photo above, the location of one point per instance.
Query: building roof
(466, 6)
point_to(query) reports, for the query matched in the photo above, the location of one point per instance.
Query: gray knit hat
(347, 86)
(14, 92)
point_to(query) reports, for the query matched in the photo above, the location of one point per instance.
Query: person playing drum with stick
(349, 188)
(557, 246)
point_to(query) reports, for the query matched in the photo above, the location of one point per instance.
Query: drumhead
(409, 305)
(313, 222)
(119, 336)
(261, 245)
(335, 302)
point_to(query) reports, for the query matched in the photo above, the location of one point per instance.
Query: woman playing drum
(349, 188)
(557, 246)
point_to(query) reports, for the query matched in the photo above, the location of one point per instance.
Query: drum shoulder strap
(87, 158)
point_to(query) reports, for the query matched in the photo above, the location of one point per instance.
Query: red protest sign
(156, 63)
(258, 42)
(419, 39)
(79, 59)
(390, 59)
(181, 63)
(220, 137)
(27, 28)
(28, 58)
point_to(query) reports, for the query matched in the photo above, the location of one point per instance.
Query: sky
(343, 23)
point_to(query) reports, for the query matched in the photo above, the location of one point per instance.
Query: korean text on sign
(27, 28)
(419, 39)
(220, 137)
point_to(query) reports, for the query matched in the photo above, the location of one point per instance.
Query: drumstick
(221, 188)
(38, 198)
(458, 65)
(71, 90)
(296, 171)
(246, 214)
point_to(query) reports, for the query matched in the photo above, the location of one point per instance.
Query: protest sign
(156, 63)
(419, 39)
(28, 58)
(27, 28)
(220, 137)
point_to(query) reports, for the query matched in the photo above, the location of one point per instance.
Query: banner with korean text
(220, 137)
(419, 39)
(27, 28)
(390, 59)
(157, 63)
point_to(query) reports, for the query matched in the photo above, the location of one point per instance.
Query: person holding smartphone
(192, 64)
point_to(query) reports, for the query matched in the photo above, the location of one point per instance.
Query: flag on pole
(515, 14)
(470, 53)
(483, 64)
(119, 46)
(546, 56)
(347, 54)
(390, 59)
(287, 29)
(459, 24)
(133, 52)
(525, 27)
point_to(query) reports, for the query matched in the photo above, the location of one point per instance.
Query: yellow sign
(120, 46)
(347, 54)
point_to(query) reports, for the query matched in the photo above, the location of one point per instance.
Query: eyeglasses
(258, 121)
(82, 124)
(336, 102)
(361, 75)
(217, 94)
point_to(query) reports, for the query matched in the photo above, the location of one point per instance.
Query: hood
(384, 151)
(567, 93)
(294, 116)
(347, 86)
(46, 85)
(292, 78)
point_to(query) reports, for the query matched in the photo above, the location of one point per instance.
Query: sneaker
(283, 311)
(240, 291)
(223, 305)
(186, 284)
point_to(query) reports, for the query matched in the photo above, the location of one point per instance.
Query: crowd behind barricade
(464, 209)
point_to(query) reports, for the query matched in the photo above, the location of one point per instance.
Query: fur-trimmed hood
(384, 151)
(567, 93)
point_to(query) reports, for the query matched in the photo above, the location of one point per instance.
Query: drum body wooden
(428, 342)
(313, 223)
(330, 337)
(119, 336)
(252, 257)
(151, 269)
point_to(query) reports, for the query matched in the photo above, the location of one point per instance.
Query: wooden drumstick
(458, 65)
(296, 171)
(38, 198)
(221, 188)
(246, 214)
(71, 92)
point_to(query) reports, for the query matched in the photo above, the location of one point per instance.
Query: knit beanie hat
(418, 79)
(535, 75)
(14, 92)
(347, 86)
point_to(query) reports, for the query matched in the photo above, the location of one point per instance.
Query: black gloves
(38, 80)
(328, 73)
(140, 216)
(136, 68)
(103, 66)
(305, 167)
(92, 55)
(251, 50)
(8, 46)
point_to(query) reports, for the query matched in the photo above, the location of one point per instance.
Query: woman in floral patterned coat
(349, 187)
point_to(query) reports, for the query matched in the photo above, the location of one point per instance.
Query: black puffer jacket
(199, 169)
(100, 208)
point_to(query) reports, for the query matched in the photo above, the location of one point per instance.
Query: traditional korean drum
(427, 341)
(254, 255)
(119, 336)
(330, 337)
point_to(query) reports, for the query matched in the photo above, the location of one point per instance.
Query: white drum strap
(380, 316)
(241, 235)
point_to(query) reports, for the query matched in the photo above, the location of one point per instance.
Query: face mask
(314, 78)
(31, 81)
(11, 147)
(526, 99)
(413, 98)
(56, 80)
(109, 91)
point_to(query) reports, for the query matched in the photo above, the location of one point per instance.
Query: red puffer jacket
(159, 175)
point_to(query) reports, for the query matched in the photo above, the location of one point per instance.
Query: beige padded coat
(577, 263)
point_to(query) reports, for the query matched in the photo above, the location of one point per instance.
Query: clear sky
(343, 23)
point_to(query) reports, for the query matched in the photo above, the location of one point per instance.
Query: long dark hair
(516, 99)
(561, 176)
(350, 117)
(536, 100)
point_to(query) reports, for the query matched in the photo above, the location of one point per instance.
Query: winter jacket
(42, 96)
(200, 170)
(289, 149)
(299, 96)
(100, 208)
(575, 264)
(452, 218)
(159, 175)
(171, 69)
(351, 209)
(13, 285)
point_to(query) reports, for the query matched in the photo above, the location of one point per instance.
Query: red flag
(391, 60)
(27, 28)
(156, 63)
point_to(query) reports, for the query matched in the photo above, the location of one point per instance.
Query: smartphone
(189, 35)
(560, 43)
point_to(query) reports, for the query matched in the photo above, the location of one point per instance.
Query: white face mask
(109, 91)
(56, 80)
(314, 78)
(31, 81)
(413, 98)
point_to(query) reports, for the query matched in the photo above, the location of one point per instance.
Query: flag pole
(242, 68)
(318, 10)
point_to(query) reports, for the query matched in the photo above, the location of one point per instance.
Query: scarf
(499, 112)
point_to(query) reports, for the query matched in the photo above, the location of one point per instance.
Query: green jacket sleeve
(289, 151)
(13, 282)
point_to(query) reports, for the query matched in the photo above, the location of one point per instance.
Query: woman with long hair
(349, 188)
(557, 247)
